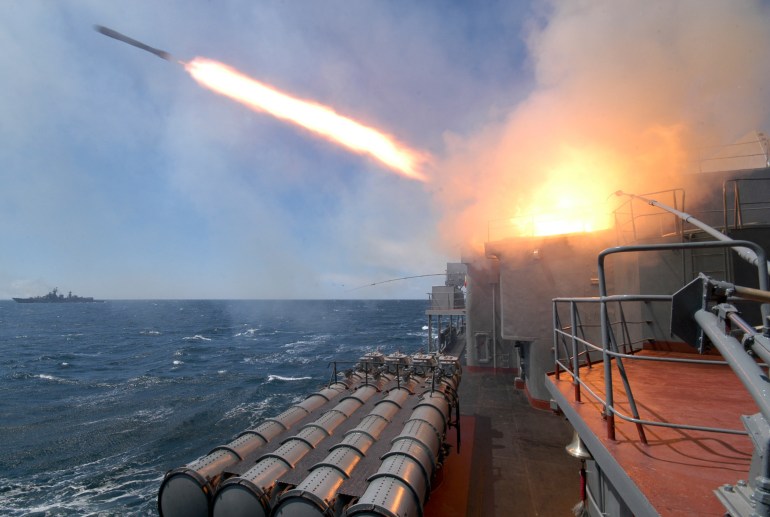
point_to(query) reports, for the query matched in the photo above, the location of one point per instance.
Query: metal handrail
(738, 205)
(678, 199)
(608, 339)
(574, 371)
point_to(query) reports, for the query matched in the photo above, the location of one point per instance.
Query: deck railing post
(575, 357)
(555, 327)
(607, 359)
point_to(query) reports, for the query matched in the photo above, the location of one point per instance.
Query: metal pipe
(744, 253)
(747, 370)
(747, 293)
(759, 252)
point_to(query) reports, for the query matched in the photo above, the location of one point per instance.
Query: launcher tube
(249, 494)
(188, 491)
(317, 493)
(402, 484)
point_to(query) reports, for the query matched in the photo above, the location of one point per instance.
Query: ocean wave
(153, 415)
(149, 332)
(196, 337)
(254, 410)
(44, 377)
(95, 488)
(271, 378)
(284, 358)
(247, 333)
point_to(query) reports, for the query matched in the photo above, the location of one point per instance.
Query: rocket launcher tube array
(249, 493)
(402, 484)
(316, 495)
(189, 490)
(406, 469)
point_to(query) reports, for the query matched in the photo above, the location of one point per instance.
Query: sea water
(99, 400)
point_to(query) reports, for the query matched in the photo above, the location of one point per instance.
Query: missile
(138, 44)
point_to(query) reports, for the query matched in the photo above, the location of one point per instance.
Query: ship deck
(511, 460)
(678, 470)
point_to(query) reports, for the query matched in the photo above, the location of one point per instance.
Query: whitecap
(271, 378)
(53, 378)
(197, 337)
(178, 362)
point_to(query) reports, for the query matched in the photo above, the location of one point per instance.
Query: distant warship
(55, 297)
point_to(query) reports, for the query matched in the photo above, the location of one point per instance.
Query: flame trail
(315, 117)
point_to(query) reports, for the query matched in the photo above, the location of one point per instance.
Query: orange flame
(570, 197)
(315, 117)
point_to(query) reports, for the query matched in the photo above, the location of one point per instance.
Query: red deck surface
(678, 470)
(449, 497)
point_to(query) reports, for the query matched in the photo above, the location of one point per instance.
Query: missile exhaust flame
(322, 120)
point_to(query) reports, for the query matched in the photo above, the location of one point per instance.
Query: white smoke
(624, 89)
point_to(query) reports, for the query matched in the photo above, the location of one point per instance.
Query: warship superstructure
(55, 297)
(650, 337)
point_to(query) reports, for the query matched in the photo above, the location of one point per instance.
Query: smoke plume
(625, 91)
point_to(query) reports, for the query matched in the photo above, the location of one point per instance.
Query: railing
(635, 219)
(748, 205)
(446, 301)
(568, 338)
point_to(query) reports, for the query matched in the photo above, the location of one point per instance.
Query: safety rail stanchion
(583, 336)
(575, 358)
(626, 385)
(556, 325)
(624, 329)
(608, 399)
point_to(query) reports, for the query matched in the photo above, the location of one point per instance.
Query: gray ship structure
(56, 297)
(647, 345)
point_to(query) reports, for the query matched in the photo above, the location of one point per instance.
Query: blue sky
(123, 178)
